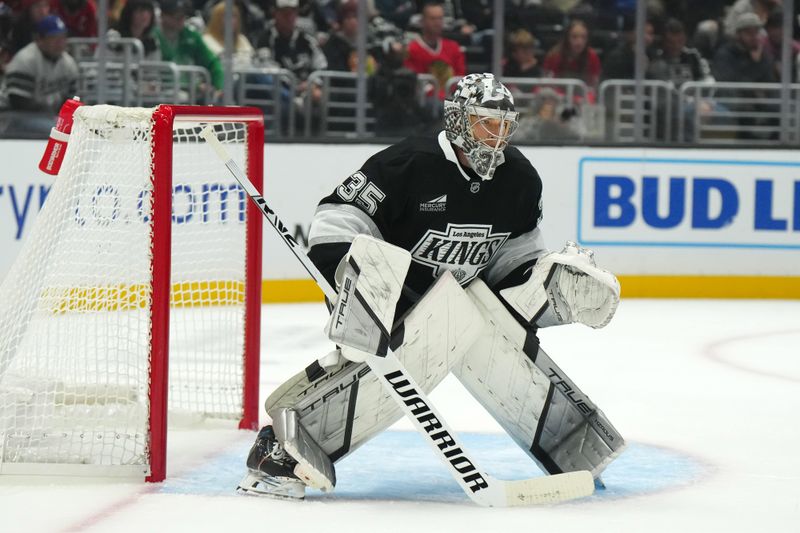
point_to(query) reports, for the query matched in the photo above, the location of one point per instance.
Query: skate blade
(257, 485)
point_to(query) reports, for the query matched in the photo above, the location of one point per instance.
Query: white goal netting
(75, 309)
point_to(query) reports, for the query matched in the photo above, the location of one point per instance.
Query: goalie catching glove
(566, 287)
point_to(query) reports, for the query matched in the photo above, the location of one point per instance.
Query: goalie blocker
(337, 404)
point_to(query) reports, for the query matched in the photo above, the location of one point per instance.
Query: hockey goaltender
(467, 208)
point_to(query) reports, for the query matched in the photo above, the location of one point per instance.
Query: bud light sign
(689, 202)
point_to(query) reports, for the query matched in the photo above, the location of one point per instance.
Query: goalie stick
(482, 488)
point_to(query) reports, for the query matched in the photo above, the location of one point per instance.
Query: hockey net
(140, 281)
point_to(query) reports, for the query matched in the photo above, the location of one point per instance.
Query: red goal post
(138, 291)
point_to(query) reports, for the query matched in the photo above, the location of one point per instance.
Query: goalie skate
(271, 470)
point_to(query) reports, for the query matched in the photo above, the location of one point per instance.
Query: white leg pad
(342, 406)
(531, 398)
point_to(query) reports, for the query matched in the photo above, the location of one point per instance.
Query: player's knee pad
(341, 404)
(531, 398)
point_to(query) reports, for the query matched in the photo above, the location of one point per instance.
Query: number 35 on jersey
(358, 190)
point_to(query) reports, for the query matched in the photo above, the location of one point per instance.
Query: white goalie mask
(480, 119)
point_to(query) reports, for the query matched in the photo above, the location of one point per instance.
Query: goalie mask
(480, 119)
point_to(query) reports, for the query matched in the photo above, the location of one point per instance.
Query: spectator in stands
(761, 8)
(430, 53)
(184, 46)
(252, 16)
(674, 61)
(42, 75)
(315, 17)
(259, 86)
(318, 17)
(393, 92)
(24, 27)
(548, 122)
(80, 16)
(695, 15)
(214, 37)
(462, 20)
(381, 36)
(773, 44)
(573, 57)
(620, 62)
(743, 59)
(522, 61)
(292, 48)
(340, 50)
(137, 20)
(476, 14)
(562, 6)
(707, 38)
(114, 12)
(396, 11)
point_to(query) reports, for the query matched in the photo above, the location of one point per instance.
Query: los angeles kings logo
(463, 249)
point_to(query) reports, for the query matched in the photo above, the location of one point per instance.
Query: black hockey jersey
(417, 196)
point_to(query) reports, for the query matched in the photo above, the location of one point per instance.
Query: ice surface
(706, 393)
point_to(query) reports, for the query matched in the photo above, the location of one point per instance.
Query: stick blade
(549, 489)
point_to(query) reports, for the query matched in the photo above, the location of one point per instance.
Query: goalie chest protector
(419, 197)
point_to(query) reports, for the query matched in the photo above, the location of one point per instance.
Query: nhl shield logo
(474, 187)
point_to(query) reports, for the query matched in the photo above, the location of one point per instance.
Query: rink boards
(669, 222)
